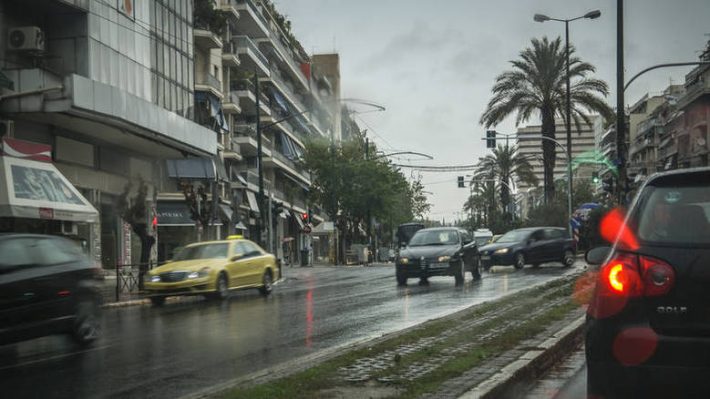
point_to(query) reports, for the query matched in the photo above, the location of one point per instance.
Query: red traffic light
(304, 216)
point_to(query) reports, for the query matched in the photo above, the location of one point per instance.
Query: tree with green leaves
(536, 85)
(350, 187)
(505, 165)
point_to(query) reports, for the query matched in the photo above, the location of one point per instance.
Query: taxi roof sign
(235, 237)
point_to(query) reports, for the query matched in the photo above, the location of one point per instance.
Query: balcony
(286, 57)
(231, 104)
(246, 91)
(230, 57)
(209, 83)
(245, 137)
(252, 178)
(229, 7)
(251, 22)
(286, 89)
(250, 56)
(280, 161)
(205, 38)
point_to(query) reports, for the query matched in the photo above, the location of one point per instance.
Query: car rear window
(675, 215)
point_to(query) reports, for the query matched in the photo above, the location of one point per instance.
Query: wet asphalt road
(189, 346)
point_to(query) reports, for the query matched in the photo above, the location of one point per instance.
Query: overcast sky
(432, 63)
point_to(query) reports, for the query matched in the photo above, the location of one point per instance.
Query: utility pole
(369, 214)
(259, 166)
(621, 187)
(568, 106)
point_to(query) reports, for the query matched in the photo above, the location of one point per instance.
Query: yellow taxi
(212, 269)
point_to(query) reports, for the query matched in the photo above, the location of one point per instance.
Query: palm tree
(505, 166)
(536, 84)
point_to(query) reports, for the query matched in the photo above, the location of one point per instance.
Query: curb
(530, 365)
(146, 301)
(305, 362)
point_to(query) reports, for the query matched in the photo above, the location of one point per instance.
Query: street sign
(307, 229)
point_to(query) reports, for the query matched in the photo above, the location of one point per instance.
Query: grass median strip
(420, 360)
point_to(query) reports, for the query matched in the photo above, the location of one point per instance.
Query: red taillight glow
(616, 277)
(613, 226)
(629, 276)
(64, 293)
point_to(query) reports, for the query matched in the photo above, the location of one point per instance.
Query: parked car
(494, 238)
(648, 325)
(213, 269)
(47, 286)
(440, 251)
(533, 245)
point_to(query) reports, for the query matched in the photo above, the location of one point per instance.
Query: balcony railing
(247, 85)
(245, 41)
(207, 79)
(254, 8)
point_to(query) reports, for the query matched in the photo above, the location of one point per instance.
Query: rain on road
(191, 345)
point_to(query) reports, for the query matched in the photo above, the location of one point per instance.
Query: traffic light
(310, 215)
(305, 217)
(461, 182)
(595, 177)
(490, 139)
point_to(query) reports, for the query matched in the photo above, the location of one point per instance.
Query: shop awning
(215, 107)
(37, 190)
(226, 212)
(196, 168)
(173, 214)
(253, 204)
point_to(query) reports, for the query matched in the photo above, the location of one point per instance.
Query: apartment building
(107, 89)
(252, 73)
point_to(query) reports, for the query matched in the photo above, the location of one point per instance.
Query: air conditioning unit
(69, 228)
(25, 38)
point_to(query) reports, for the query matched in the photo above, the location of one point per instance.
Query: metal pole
(369, 215)
(568, 110)
(259, 166)
(620, 113)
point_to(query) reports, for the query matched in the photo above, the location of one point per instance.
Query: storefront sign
(26, 150)
(46, 213)
(173, 214)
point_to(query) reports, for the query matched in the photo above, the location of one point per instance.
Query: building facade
(172, 94)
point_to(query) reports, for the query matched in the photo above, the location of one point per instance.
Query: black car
(648, 323)
(438, 251)
(533, 245)
(47, 286)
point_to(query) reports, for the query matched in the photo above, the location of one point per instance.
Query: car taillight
(658, 276)
(628, 276)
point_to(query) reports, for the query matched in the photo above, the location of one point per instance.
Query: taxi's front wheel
(222, 287)
(267, 282)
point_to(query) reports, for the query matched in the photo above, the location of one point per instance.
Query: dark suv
(47, 286)
(648, 325)
(533, 245)
(440, 251)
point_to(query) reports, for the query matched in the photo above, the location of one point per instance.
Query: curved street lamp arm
(672, 64)
(402, 153)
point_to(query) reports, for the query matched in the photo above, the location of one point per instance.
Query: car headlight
(501, 251)
(443, 259)
(201, 273)
(404, 261)
(153, 279)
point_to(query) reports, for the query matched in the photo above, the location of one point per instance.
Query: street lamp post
(568, 107)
